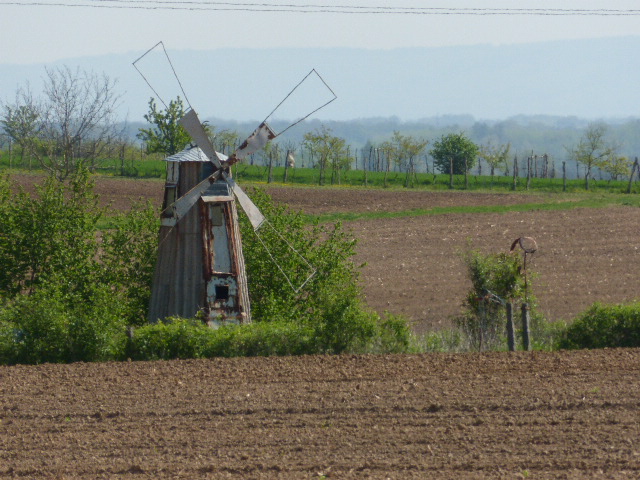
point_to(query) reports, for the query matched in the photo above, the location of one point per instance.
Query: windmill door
(222, 251)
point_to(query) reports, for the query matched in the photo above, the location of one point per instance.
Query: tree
(456, 149)
(225, 141)
(49, 239)
(330, 151)
(494, 155)
(167, 135)
(77, 123)
(593, 150)
(496, 279)
(617, 166)
(20, 121)
(406, 149)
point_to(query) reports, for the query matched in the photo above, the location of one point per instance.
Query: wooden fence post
(515, 173)
(564, 176)
(511, 334)
(466, 175)
(636, 166)
(451, 172)
(526, 334)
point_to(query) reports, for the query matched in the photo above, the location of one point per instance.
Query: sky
(42, 31)
(34, 33)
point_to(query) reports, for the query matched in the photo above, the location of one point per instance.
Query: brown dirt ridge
(569, 415)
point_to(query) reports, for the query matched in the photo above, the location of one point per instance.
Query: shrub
(329, 303)
(175, 338)
(182, 338)
(604, 326)
(496, 279)
(53, 327)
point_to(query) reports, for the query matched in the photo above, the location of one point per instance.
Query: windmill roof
(192, 154)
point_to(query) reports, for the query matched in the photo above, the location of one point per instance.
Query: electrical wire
(200, 5)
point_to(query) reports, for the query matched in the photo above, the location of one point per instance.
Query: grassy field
(155, 168)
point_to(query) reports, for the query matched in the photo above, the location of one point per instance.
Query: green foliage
(329, 301)
(604, 326)
(47, 235)
(181, 338)
(494, 155)
(456, 148)
(129, 252)
(496, 279)
(52, 326)
(66, 292)
(167, 135)
(594, 150)
(328, 151)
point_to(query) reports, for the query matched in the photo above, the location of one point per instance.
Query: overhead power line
(195, 5)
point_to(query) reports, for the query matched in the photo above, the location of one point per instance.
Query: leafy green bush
(329, 303)
(49, 326)
(67, 292)
(176, 338)
(496, 279)
(183, 338)
(603, 326)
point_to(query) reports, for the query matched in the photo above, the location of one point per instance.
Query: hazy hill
(583, 78)
(535, 96)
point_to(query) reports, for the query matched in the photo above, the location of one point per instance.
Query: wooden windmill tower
(200, 268)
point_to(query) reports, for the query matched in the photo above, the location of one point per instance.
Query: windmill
(200, 268)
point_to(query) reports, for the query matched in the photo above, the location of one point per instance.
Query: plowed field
(570, 415)
(413, 264)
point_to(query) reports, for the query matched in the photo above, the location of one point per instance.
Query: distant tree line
(73, 122)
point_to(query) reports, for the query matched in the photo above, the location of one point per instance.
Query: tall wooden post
(366, 165)
(564, 176)
(450, 172)
(515, 173)
(466, 174)
(526, 333)
(511, 331)
(636, 166)
(286, 167)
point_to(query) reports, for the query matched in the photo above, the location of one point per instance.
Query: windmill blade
(253, 213)
(256, 141)
(182, 206)
(191, 123)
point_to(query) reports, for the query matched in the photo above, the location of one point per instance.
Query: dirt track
(559, 415)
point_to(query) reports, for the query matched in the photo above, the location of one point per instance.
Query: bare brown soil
(316, 200)
(414, 265)
(569, 415)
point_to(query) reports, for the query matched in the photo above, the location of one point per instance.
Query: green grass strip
(593, 202)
